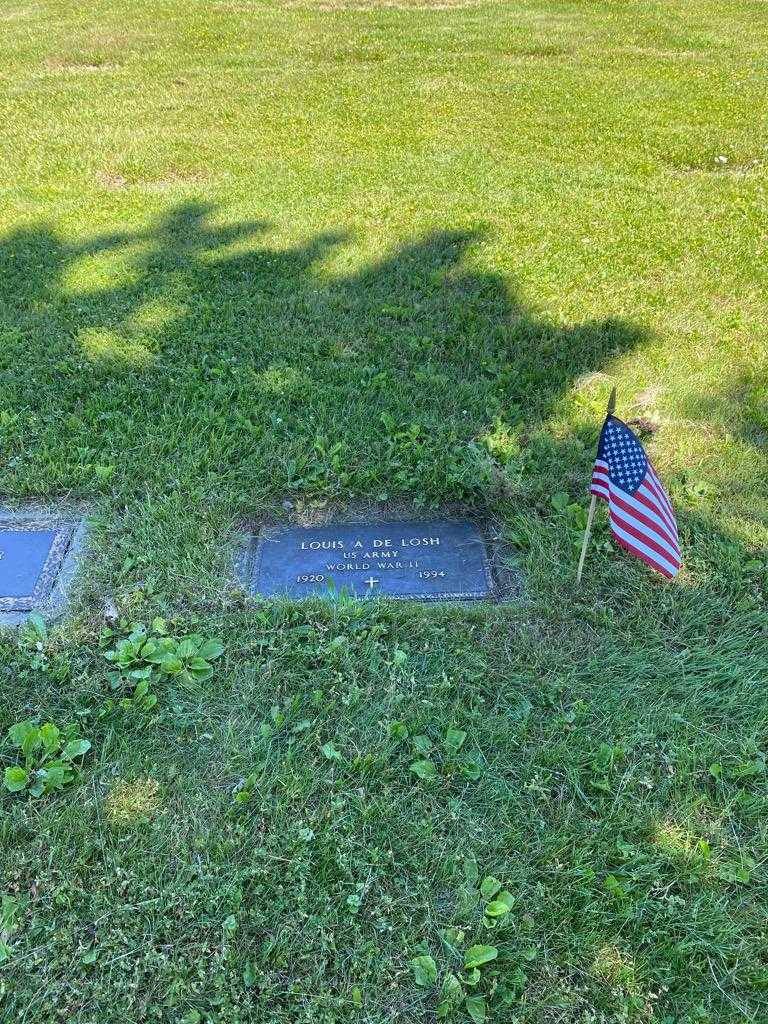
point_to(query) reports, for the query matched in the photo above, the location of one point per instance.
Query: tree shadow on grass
(197, 374)
(187, 385)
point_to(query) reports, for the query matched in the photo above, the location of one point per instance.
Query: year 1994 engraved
(431, 574)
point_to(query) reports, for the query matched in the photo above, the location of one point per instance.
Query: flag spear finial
(611, 402)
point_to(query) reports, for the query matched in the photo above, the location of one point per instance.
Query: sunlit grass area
(267, 260)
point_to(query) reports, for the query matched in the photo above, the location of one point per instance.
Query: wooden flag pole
(587, 532)
(593, 503)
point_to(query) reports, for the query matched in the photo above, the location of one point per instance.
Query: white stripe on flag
(658, 496)
(660, 488)
(627, 521)
(670, 533)
(644, 510)
(653, 556)
(650, 494)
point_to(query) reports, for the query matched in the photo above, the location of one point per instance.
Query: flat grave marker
(39, 550)
(435, 560)
(30, 557)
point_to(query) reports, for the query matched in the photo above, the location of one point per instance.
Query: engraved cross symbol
(371, 582)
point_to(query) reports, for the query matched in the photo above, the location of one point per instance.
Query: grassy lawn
(345, 251)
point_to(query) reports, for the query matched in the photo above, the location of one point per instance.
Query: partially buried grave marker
(419, 560)
(36, 563)
(29, 559)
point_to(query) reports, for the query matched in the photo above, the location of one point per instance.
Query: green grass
(349, 252)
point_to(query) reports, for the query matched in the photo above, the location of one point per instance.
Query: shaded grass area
(389, 253)
(258, 380)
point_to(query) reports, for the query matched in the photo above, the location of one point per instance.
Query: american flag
(641, 515)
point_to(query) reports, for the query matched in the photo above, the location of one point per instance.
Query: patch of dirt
(18, 12)
(114, 181)
(100, 50)
(719, 165)
(657, 54)
(242, 6)
(544, 52)
(111, 181)
(103, 40)
(127, 802)
(89, 63)
(173, 179)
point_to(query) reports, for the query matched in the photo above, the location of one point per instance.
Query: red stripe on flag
(650, 527)
(645, 538)
(657, 491)
(600, 480)
(642, 556)
(663, 530)
(660, 490)
(667, 528)
(657, 488)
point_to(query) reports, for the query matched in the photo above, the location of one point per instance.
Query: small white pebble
(721, 159)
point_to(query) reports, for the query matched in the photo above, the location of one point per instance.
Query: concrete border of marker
(72, 524)
(502, 558)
